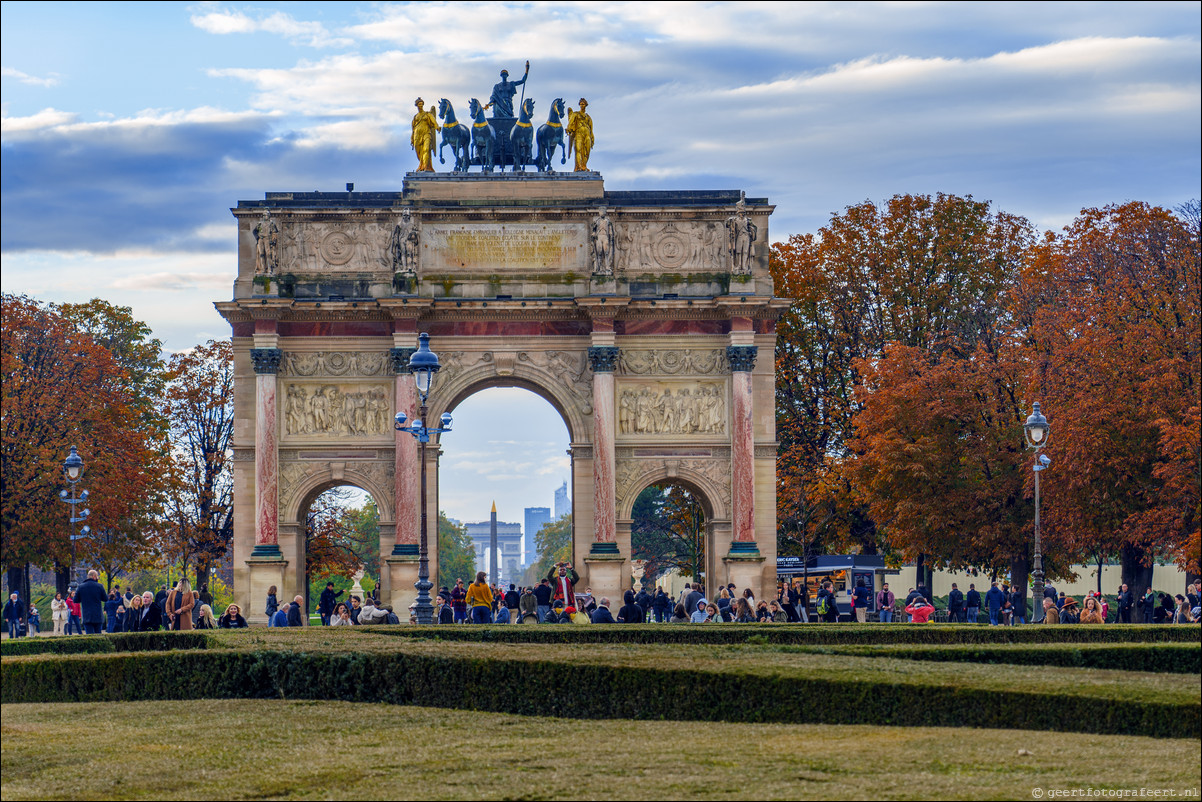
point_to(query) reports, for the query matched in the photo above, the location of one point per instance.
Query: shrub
(102, 644)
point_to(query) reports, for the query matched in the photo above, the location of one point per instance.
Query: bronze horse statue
(549, 135)
(522, 136)
(484, 139)
(455, 134)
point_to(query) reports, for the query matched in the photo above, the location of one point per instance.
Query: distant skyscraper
(536, 517)
(563, 505)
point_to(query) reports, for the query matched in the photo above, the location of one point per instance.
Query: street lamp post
(1036, 431)
(72, 473)
(423, 365)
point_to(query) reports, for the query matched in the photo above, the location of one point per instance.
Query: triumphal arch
(647, 319)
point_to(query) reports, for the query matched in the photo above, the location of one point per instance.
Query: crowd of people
(92, 610)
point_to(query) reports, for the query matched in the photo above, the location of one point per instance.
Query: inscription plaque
(488, 247)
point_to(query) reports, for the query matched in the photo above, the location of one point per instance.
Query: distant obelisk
(492, 546)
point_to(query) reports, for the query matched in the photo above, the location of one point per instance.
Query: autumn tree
(199, 404)
(330, 538)
(667, 532)
(62, 388)
(456, 553)
(1112, 306)
(921, 272)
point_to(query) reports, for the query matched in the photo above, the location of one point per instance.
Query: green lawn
(241, 749)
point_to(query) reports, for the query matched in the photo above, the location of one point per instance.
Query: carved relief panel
(324, 247)
(336, 409)
(671, 408)
(632, 475)
(673, 247)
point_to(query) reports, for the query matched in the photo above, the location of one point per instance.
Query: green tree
(456, 553)
(364, 523)
(667, 532)
(552, 544)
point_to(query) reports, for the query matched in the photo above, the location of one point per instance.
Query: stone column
(266, 563)
(402, 561)
(604, 560)
(744, 561)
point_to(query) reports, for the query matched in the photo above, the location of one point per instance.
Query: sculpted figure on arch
(741, 234)
(402, 247)
(267, 246)
(603, 244)
(580, 135)
(425, 126)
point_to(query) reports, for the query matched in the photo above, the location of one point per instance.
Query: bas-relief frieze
(675, 408)
(566, 369)
(293, 475)
(322, 409)
(496, 247)
(673, 362)
(675, 247)
(630, 474)
(322, 247)
(336, 363)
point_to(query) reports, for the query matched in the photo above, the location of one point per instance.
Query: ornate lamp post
(423, 365)
(72, 472)
(1036, 431)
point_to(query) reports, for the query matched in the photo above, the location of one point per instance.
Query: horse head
(527, 108)
(476, 110)
(444, 107)
(556, 112)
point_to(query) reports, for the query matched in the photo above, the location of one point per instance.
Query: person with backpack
(828, 605)
(662, 605)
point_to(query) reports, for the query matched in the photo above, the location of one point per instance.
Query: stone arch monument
(645, 318)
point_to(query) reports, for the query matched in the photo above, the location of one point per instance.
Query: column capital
(266, 360)
(400, 359)
(741, 357)
(603, 358)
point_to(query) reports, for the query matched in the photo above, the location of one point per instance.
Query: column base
(265, 572)
(267, 551)
(406, 550)
(744, 567)
(605, 569)
(402, 579)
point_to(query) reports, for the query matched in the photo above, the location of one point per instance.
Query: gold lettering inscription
(495, 247)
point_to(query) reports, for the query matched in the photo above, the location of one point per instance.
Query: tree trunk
(26, 590)
(1136, 576)
(202, 576)
(14, 580)
(1020, 569)
(1100, 564)
(920, 570)
(62, 579)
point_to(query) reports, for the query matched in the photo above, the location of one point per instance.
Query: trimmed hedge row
(1159, 658)
(801, 634)
(105, 644)
(574, 690)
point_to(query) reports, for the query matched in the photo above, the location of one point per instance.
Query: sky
(130, 129)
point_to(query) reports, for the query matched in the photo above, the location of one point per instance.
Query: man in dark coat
(602, 615)
(1018, 602)
(955, 604)
(994, 598)
(151, 615)
(1147, 606)
(513, 601)
(325, 605)
(662, 605)
(542, 594)
(1125, 603)
(294, 612)
(12, 615)
(90, 596)
(972, 603)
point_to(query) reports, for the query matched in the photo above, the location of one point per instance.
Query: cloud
(50, 80)
(311, 34)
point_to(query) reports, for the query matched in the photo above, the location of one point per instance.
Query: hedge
(578, 690)
(1160, 658)
(802, 634)
(104, 644)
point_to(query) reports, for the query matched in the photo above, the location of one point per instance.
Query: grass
(241, 749)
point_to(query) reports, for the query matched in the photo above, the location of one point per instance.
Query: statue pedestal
(265, 572)
(602, 284)
(745, 567)
(605, 576)
(402, 579)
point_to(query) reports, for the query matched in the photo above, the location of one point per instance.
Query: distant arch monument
(647, 319)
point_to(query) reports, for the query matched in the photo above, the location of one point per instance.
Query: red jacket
(73, 607)
(922, 613)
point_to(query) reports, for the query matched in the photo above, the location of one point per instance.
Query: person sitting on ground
(631, 612)
(205, 619)
(602, 615)
(679, 616)
(743, 612)
(712, 614)
(370, 614)
(232, 619)
(699, 616)
(503, 615)
(528, 606)
(341, 617)
(920, 611)
(1051, 614)
(295, 611)
(1092, 614)
(555, 614)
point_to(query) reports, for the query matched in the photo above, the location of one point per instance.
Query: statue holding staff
(501, 101)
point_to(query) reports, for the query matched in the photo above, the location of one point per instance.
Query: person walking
(1018, 603)
(972, 603)
(955, 605)
(90, 597)
(480, 599)
(884, 604)
(272, 606)
(296, 612)
(994, 599)
(662, 605)
(58, 614)
(828, 605)
(325, 605)
(459, 601)
(13, 609)
(111, 605)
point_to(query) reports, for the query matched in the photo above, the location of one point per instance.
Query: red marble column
(603, 360)
(408, 471)
(267, 510)
(742, 444)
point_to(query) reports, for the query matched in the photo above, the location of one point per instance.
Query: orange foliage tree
(1113, 310)
(62, 388)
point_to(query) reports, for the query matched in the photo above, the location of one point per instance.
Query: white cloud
(312, 34)
(46, 118)
(50, 80)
